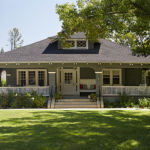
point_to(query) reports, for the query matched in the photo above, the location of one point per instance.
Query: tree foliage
(125, 21)
(15, 38)
(2, 51)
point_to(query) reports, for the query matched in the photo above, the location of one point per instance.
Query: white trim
(111, 77)
(27, 76)
(99, 72)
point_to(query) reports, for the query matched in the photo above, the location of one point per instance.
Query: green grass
(74, 130)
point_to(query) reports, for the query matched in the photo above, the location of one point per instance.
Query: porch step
(75, 106)
(74, 100)
(75, 103)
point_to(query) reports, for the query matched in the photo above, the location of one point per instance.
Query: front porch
(77, 79)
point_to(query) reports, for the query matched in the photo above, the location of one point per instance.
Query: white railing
(129, 90)
(40, 90)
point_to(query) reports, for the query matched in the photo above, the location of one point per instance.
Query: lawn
(74, 130)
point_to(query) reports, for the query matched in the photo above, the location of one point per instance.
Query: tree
(125, 21)
(2, 51)
(15, 38)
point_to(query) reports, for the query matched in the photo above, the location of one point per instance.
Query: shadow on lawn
(82, 130)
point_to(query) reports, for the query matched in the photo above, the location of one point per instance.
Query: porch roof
(47, 51)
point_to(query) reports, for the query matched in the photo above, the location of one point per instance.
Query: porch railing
(40, 90)
(130, 90)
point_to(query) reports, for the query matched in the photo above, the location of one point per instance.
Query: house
(104, 68)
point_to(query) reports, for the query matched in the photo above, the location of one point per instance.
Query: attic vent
(81, 43)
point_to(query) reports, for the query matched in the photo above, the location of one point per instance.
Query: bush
(123, 98)
(130, 102)
(40, 101)
(28, 100)
(57, 96)
(108, 104)
(21, 101)
(93, 97)
(144, 102)
(3, 101)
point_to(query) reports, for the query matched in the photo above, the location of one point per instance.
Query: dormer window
(71, 43)
(77, 44)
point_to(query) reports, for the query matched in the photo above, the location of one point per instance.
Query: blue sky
(35, 19)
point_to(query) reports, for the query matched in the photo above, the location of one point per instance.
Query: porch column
(52, 83)
(99, 83)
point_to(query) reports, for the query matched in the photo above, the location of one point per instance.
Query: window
(41, 78)
(22, 78)
(112, 77)
(68, 78)
(27, 77)
(71, 43)
(116, 76)
(78, 44)
(106, 77)
(32, 78)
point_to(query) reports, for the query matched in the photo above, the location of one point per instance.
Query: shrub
(108, 104)
(11, 97)
(21, 101)
(3, 101)
(130, 102)
(28, 100)
(123, 98)
(144, 102)
(93, 96)
(38, 101)
(57, 96)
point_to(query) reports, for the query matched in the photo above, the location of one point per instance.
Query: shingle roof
(45, 51)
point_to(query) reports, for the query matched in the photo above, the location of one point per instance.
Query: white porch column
(52, 83)
(99, 82)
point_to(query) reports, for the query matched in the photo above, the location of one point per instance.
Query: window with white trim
(77, 44)
(41, 78)
(112, 77)
(22, 78)
(34, 77)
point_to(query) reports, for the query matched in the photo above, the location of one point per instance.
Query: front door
(69, 82)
